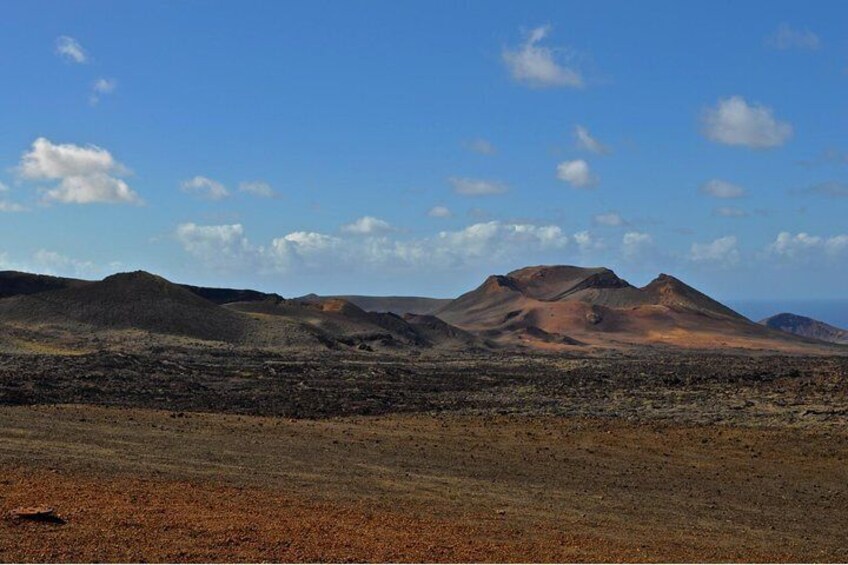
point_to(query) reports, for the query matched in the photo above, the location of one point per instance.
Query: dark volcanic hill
(806, 327)
(13, 283)
(136, 300)
(548, 306)
(228, 295)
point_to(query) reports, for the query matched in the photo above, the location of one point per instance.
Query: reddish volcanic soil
(143, 485)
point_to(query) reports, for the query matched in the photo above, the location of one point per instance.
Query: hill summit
(806, 327)
(566, 305)
(137, 300)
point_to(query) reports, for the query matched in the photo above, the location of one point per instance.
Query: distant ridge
(399, 305)
(806, 327)
(228, 295)
(136, 300)
(340, 320)
(541, 307)
(14, 283)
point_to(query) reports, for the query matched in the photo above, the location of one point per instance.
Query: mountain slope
(227, 295)
(548, 306)
(343, 322)
(14, 283)
(806, 327)
(136, 300)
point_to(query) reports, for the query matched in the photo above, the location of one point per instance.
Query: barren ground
(663, 459)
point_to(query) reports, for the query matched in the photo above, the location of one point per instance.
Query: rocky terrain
(553, 414)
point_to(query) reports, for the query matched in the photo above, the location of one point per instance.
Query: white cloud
(734, 122)
(721, 251)
(101, 87)
(481, 146)
(205, 187)
(69, 48)
(786, 37)
(99, 187)
(257, 188)
(634, 245)
(576, 173)
(476, 187)
(3, 187)
(367, 225)
(306, 250)
(226, 247)
(219, 246)
(537, 66)
(439, 212)
(804, 246)
(730, 212)
(52, 263)
(86, 174)
(722, 189)
(587, 243)
(610, 219)
(587, 142)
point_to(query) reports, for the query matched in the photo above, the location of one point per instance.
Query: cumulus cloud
(718, 188)
(481, 146)
(587, 142)
(225, 246)
(367, 225)
(534, 65)
(218, 246)
(476, 187)
(786, 37)
(587, 243)
(720, 251)
(85, 174)
(729, 212)
(53, 263)
(805, 246)
(576, 173)
(610, 219)
(439, 212)
(205, 187)
(634, 245)
(735, 122)
(100, 88)
(257, 188)
(69, 49)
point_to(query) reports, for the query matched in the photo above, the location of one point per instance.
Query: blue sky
(414, 148)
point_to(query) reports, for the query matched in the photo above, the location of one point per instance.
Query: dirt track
(148, 485)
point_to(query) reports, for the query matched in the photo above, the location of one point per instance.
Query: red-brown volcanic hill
(552, 306)
(342, 322)
(136, 300)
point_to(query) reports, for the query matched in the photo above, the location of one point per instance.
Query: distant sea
(833, 312)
